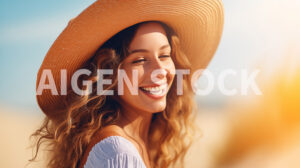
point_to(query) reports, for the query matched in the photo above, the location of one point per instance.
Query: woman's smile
(155, 91)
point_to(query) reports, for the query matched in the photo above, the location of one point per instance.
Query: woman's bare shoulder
(114, 139)
(112, 146)
(111, 130)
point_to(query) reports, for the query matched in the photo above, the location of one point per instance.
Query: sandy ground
(16, 126)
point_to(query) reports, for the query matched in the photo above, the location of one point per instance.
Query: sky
(256, 31)
(27, 30)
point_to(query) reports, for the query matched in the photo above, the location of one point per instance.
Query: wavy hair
(171, 131)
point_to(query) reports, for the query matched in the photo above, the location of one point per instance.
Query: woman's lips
(155, 91)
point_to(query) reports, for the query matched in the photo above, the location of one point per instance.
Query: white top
(114, 152)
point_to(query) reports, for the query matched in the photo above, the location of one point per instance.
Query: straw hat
(198, 23)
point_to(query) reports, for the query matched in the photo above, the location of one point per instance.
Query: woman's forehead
(147, 35)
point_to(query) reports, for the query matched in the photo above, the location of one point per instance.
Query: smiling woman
(139, 113)
(137, 119)
(147, 54)
(153, 128)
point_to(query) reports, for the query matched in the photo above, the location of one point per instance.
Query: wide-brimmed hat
(198, 23)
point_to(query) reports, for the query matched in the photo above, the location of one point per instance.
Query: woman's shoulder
(111, 150)
(111, 140)
(114, 145)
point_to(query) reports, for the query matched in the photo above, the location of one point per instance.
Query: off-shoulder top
(114, 152)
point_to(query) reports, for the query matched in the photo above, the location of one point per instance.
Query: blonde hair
(171, 131)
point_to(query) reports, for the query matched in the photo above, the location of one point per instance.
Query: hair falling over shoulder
(171, 131)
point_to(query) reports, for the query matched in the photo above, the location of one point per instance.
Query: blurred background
(235, 131)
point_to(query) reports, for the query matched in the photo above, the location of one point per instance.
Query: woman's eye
(164, 56)
(138, 61)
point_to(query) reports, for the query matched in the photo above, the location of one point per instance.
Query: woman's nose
(159, 70)
(161, 73)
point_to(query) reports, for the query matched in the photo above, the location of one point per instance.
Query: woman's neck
(136, 123)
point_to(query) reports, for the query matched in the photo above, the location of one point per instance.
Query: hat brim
(198, 23)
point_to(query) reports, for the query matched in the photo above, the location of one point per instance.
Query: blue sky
(27, 30)
(253, 31)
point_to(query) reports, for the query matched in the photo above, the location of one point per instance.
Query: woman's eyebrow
(144, 50)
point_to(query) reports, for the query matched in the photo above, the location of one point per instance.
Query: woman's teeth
(157, 90)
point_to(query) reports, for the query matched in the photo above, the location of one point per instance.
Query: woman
(154, 126)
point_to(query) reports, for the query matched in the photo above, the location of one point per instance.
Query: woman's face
(149, 52)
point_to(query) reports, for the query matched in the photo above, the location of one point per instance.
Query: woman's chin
(156, 107)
